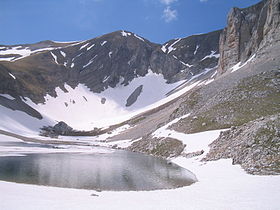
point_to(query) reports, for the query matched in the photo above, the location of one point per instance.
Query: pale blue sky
(29, 21)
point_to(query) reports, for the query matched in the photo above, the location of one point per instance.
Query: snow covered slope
(82, 109)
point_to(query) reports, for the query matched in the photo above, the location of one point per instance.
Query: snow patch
(110, 54)
(12, 75)
(83, 46)
(186, 64)
(7, 59)
(7, 96)
(63, 54)
(163, 48)
(102, 43)
(196, 49)
(54, 57)
(125, 34)
(171, 48)
(138, 37)
(90, 62)
(212, 55)
(239, 65)
(91, 46)
(23, 52)
(106, 79)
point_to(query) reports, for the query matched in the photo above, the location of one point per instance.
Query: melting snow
(83, 46)
(125, 34)
(171, 48)
(63, 54)
(21, 123)
(239, 65)
(103, 43)
(212, 55)
(196, 49)
(186, 64)
(7, 96)
(12, 75)
(105, 79)
(23, 52)
(54, 57)
(213, 75)
(90, 46)
(77, 56)
(7, 59)
(110, 54)
(138, 37)
(90, 62)
(163, 48)
(114, 110)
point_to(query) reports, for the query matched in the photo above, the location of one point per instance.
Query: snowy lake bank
(100, 170)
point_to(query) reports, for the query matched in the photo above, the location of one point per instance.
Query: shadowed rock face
(133, 97)
(248, 30)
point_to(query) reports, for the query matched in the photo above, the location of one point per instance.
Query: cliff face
(247, 31)
(271, 28)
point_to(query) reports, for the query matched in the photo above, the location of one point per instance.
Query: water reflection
(116, 171)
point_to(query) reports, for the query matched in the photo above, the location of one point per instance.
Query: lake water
(113, 171)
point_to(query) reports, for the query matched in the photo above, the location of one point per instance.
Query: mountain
(130, 88)
(124, 72)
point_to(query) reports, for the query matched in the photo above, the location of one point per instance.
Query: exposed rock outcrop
(255, 146)
(243, 34)
(248, 31)
(160, 147)
(133, 97)
(61, 128)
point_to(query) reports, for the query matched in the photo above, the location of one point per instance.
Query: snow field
(220, 186)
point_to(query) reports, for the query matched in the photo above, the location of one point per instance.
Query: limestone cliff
(248, 30)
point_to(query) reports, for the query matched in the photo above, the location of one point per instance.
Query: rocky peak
(247, 31)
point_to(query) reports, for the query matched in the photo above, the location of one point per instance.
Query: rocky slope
(254, 145)
(196, 53)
